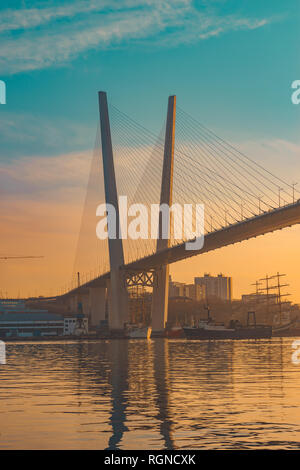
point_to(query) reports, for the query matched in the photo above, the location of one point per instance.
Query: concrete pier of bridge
(97, 305)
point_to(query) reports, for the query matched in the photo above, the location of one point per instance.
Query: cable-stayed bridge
(191, 165)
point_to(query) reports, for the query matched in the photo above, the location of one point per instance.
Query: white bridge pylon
(117, 291)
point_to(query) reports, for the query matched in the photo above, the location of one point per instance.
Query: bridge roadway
(266, 222)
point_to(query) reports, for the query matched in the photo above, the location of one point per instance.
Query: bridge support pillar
(117, 297)
(85, 301)
(109, 300)
(160, 301)
(73, 303)
(97, 305)
(160, 296)
(118, 313)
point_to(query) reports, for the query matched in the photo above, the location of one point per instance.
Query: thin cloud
(46, 178)
(55, 36)
(30, 134)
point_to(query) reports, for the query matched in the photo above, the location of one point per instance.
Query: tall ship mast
(268, 298)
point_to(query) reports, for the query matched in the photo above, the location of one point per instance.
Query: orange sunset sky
(231, 66)
(41, 207)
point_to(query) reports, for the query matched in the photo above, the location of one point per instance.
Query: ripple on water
(156, 394)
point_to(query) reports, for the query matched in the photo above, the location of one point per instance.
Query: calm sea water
(150, 395)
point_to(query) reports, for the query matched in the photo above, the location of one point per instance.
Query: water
(150, 395)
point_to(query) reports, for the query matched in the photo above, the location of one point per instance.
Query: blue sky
(230, 63)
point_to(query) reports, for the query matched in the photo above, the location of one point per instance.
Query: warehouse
(30, 324)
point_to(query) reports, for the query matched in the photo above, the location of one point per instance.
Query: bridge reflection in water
(151, 395)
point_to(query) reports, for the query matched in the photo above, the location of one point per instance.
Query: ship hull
(284, 330)
(175, 333)
(239, 333)
(140, 333)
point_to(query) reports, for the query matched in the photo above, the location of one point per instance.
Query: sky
(229, 62)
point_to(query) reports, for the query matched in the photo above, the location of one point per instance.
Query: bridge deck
(266, 222)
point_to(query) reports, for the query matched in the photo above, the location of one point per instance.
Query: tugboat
(207, 329)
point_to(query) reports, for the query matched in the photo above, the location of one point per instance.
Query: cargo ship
(208, 329)
(213, 331)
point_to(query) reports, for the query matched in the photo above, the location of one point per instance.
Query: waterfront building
(75, 325)
(193, 291)
(260, 298)
(30, 324)
(219, 287)
(17, 320)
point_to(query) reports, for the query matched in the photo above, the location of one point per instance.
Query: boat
(277, 310)
(284, 329)
(175, 332)
(134, 332)
(208, 330)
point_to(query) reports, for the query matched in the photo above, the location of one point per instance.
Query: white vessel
(143, 333)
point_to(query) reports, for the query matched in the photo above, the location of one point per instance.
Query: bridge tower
(160, 296)
(117, 292)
